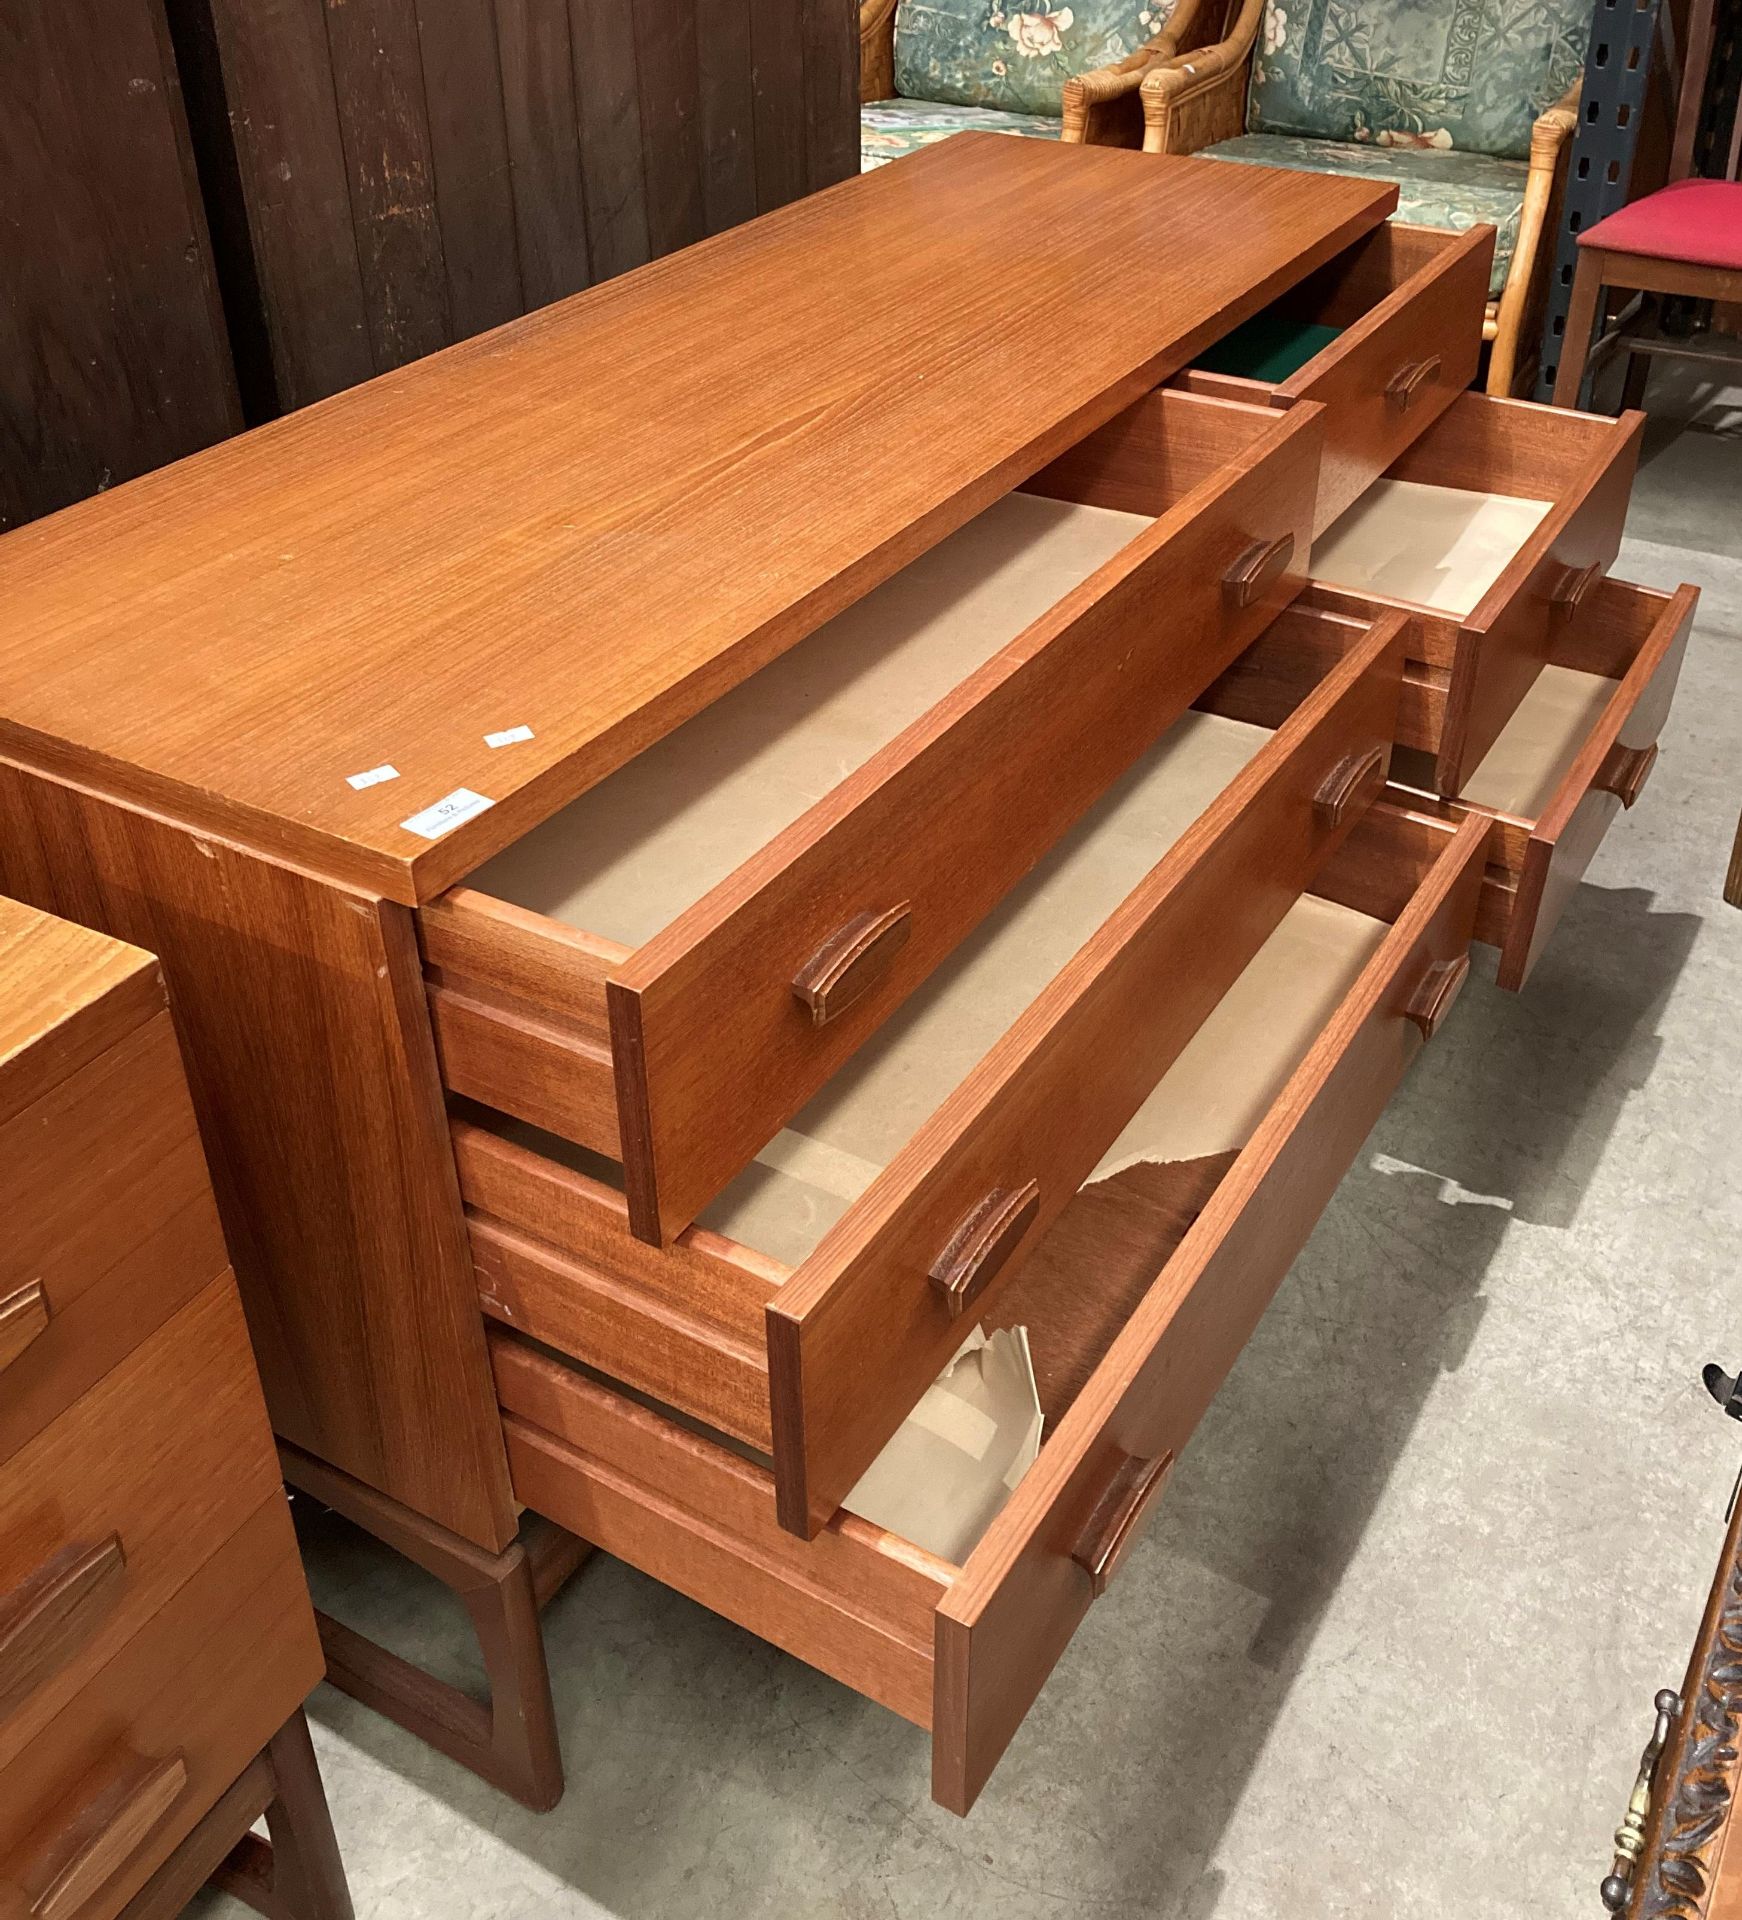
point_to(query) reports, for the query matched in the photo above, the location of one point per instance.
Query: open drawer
(1494, 527)
(1136, 1302)
(1384, 336)
(665, 971)
(1576, 752)
(888, 1217)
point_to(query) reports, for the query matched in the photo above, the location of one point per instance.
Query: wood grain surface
(169, 1453)
(70, 994)
(109, 1219)
(858, 1333)
(856, 1601)
(1586, 804)
(485, 540)
(209, 1679)
(713, 1054)
(1003, 1625)
(301, 1012)
(1584, 465)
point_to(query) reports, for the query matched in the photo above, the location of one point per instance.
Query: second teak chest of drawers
(698, 889)
(156, 1638)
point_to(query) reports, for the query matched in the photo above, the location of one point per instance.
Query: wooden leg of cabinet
(1733, 879)
(509, 1738)
(295, 1874)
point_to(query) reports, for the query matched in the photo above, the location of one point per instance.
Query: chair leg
(295, 1874)
(509, 1739)
(1581, 322)
(1733, 879)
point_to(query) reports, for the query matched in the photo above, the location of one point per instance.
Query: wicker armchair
(1100, 107)
(1194, 100)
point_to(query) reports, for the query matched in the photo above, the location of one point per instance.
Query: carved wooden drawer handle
(106, 1832)
(1410, 381)
(51, 1612)
(851, 962)
(1345, 789)
(23, 1317)
(1257, 570)
(1434, 997)
(1118, 1519)
(987, 1237)
(1575, 583)
(1625, 772)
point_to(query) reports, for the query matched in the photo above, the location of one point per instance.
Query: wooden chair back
(1696, 68)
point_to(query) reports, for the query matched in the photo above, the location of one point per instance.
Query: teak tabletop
(594, 520)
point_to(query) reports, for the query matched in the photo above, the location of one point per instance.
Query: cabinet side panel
(300, 1011)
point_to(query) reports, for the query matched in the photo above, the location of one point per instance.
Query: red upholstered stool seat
(1699, 221)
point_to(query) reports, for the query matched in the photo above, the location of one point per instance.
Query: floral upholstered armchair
(1468, 106)
(1044, 68)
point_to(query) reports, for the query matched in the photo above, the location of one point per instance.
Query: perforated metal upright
(1600, 169)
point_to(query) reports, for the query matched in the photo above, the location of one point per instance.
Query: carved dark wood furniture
(1675, 1855)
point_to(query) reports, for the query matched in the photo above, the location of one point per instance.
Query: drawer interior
(1078, 1287)
(1281, 339)
(1589, 661)
(633, 853)
(1455, 521)
(1425, 544)
(807, 1177)
(669, 968)
(769, 1221)
(865, 1597)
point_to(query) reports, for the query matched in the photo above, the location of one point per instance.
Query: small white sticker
(454, 810)
(372, 778)
(508, 737)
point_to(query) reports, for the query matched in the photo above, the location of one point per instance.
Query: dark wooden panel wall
(112, 350)
(387, 176)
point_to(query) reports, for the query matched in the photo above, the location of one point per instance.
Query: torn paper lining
(945, 1476)
(963, 1449)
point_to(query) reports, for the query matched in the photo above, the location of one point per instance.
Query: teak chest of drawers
(156, 1639)
(694, 879)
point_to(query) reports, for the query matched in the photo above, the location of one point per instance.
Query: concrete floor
(1389, 1647)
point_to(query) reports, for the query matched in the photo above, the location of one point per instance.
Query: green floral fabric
(1434, 189)
(1465, 74)
(982, 53)
(891, 128)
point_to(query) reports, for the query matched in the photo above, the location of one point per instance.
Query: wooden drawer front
(1489, 658)
(867, 1323)
(1408, 304)
(721, 1026)
(1552, 801)
(965, 1649)
(1608, 775)
(122, 1773)
(555, 1260)
(109, 1225)
(108, 1509)
(1026, 1587)
(855, 1601)
(1397, 367)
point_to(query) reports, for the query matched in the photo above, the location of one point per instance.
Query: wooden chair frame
(1101, 108)
(1601, 269)
(1196, 95)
